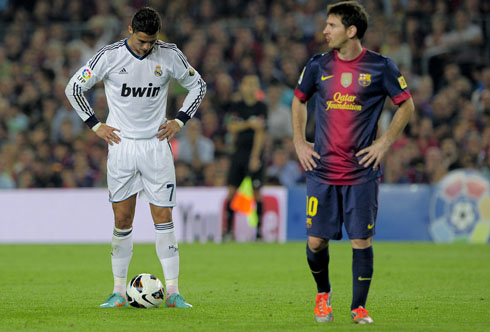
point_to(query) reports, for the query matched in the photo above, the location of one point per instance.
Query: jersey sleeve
(307, 81)
(84, 79)
(190, 79)
(394, 83)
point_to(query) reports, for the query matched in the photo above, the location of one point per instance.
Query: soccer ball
(145, 291)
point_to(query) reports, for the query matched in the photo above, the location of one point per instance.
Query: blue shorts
(330, 206)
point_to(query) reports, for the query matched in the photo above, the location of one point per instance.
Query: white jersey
(136, 87)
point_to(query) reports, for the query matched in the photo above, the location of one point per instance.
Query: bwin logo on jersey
(149, 91)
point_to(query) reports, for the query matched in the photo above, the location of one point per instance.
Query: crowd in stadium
(442, 48)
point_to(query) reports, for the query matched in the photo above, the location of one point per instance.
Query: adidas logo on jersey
(123, 71)
(149, 91)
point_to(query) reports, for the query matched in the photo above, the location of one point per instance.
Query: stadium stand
(44, 144)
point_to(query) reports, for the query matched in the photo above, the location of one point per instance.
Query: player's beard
(336, 46)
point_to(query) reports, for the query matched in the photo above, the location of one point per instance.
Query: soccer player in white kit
(136, 72)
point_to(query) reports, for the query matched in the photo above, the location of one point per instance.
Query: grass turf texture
(247, 287)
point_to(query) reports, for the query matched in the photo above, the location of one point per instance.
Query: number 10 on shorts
(311, 206)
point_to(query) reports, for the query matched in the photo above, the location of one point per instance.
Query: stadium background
(441, 47)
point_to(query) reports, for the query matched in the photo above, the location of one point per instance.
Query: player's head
(144, 29)
(348, 16)
(146, 20)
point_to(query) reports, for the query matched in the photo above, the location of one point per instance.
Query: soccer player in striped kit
(349, 84)
(136, 72)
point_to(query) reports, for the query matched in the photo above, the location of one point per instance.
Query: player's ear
(352, 31)
(130, 29)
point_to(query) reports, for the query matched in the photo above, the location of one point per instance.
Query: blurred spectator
(195, 149)
(183, 174)
(396, 49)
(450, 154)
(426, 138)
(64, 115)
(211, 129)
(485, 107)
(283, 171)
(279, 122)
(465, 39)
(6, 178)
(434, 168)
(482, 85)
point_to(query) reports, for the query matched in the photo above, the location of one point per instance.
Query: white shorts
(143, 166)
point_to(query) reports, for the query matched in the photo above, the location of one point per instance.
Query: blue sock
(318, 263)
(362, 272)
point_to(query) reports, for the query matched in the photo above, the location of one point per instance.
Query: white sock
(168, 253)
(122, 251)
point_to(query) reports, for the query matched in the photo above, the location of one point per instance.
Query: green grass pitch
(247, 287)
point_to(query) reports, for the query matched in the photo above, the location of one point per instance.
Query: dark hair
(146, 20)
(351, 13)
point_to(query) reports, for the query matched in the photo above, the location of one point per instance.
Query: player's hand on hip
(306, 152)
(168, 130)
(373, 154)
(108, 134)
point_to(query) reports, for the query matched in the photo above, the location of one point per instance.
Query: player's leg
(155, 162)
(260, 211)
(236, 174)
(122, 250)
(257, 183)
(322, 223)
(318, 260)
(229, 214)
(123, 183)
(168, 253)
(361, 206)
(362, 273)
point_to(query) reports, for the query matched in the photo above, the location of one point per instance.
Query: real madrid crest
(346, 79)
(158, 71)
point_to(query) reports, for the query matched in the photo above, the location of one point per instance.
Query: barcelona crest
(364, 80)
(158, 71)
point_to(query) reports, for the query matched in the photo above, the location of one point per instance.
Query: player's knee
(317, 244)
(162, 215)
(361, 243)
(123, 220)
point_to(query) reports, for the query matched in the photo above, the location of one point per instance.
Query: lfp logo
(86, 74)
(460, 208)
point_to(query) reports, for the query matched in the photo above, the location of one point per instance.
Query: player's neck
(350, 51)
(133, 48)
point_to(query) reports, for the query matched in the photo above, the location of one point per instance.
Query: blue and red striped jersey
(349, 99)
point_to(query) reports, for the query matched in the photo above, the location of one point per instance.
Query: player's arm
(375, 153)
(304, 150)
(258, 144)
(191, 102)
(236, 125)
(191, 80)
(305, 89)
(81, 82)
